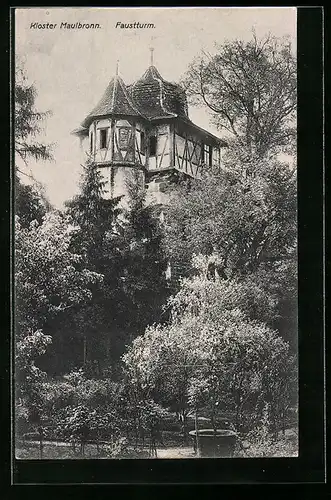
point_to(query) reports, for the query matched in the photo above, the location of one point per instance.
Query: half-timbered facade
(145, 126)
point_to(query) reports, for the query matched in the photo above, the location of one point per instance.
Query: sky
(72, 67)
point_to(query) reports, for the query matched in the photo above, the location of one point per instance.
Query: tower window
(91, 142)
(152, 145)
(103, 138)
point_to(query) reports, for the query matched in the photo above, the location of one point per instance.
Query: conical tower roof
(115, 101)
(157, 98)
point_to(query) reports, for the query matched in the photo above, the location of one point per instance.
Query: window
(152, 145)
(206, 154)
(91, 142)
(210, 156)
(142, 143)
(202, 152)
(103, 138)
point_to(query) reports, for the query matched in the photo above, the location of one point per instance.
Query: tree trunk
(41, 446)
(136, 436)
(213, 420)
(238, 407)
(185, 433)
(152, 449)
(197, 440)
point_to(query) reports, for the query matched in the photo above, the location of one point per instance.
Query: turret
(145, 126)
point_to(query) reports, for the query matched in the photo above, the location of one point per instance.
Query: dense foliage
(124, 246)
(214, 355)
(49, 277)
(248, 231)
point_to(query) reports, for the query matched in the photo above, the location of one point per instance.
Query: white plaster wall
(152, 163)
(162, 158)
(179, 149)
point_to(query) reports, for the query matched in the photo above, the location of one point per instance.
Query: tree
(211, 355)
(160, 364)
(250, 89)
(28, 121)
(99, 238)
(81, 409)
(31, 202)
(31, 206)
(29, 380)
(125, 246)
(49, 278)
(246, 215)
(144, 262)
(95, 216)
(248, 226)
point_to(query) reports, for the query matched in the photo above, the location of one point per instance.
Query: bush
(271, 448)
(262, 442)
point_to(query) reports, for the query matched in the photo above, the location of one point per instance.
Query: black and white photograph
(155, 233)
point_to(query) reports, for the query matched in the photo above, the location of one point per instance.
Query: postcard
(155, 233)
